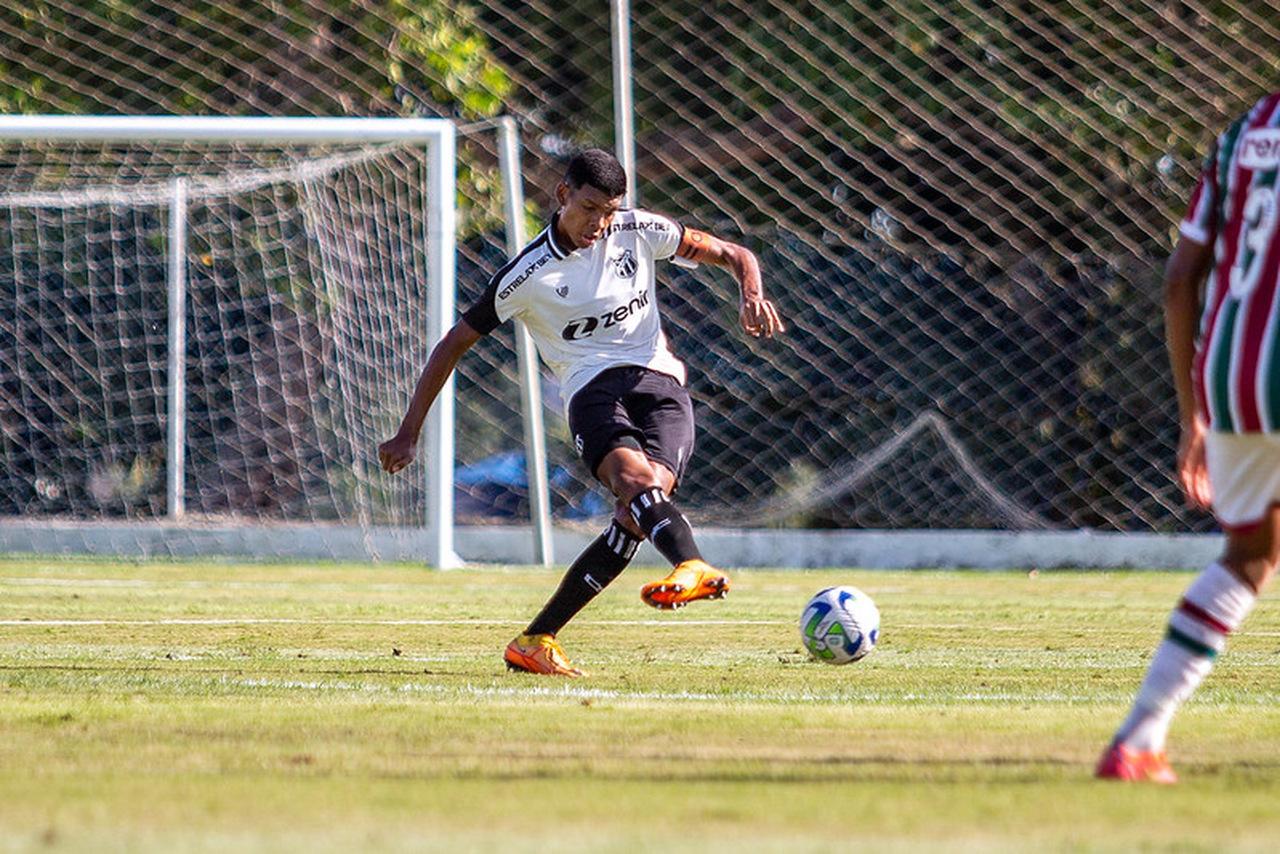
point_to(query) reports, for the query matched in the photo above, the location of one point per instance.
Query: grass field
(199, 706)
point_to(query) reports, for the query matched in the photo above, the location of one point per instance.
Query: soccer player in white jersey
(584, 288)
(1228, 383)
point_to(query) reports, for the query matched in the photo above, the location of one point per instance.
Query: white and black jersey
(592, 309)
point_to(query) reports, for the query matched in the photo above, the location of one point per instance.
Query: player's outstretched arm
(759, 316)
(398, 451)
(1182, 279)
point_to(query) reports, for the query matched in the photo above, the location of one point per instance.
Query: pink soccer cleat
(1135, 766)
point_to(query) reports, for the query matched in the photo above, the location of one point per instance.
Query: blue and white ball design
(840, 625)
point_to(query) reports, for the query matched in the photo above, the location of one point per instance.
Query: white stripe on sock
(1225, 597)
(1193, 628)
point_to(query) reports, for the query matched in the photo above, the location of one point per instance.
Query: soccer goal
(212, 322)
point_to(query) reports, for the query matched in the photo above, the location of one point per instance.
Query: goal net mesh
(305, 314)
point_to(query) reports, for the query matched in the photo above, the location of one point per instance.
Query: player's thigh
(1244, 472)
(628, 471)
(663, 412)
(1253, 552)
(600, 424)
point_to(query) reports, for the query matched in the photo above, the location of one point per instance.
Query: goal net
(314, 276)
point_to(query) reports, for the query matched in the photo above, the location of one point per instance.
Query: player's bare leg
(642, 487)
(1215, 604)
(1253, 555)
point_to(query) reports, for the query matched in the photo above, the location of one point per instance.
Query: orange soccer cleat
(688, 582)
(539, 654)
(1135, 766)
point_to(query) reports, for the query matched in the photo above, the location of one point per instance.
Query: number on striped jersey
(1259, 228)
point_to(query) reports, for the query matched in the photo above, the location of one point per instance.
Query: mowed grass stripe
(340, 707)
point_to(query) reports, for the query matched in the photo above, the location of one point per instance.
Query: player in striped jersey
(585, 289)
(1228, 383)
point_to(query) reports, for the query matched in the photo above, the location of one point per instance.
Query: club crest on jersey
(562, 291)
(625, 264)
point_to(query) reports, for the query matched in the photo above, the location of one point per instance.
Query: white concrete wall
(722, 546)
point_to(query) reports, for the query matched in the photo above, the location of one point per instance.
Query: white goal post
(438, 138)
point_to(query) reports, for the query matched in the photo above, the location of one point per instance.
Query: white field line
(675, 622)
(136, 583)
(769, 697)
(132, 583)
(575, 693)
(287, 621)
(500, 693)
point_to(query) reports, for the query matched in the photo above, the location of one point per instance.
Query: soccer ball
(840, 625)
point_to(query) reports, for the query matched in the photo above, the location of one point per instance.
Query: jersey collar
(553, 240)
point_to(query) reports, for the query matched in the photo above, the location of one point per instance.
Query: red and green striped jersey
(1235, 206)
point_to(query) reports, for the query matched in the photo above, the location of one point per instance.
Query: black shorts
(633, 407)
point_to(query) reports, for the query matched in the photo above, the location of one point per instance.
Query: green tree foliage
(287, 57)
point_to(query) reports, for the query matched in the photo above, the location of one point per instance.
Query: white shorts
(1244, 472)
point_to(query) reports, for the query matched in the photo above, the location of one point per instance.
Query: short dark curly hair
(600, 169)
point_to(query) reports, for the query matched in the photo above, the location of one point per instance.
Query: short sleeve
(496, 305)
(482, 316)
(661, 233)
(1201, 222)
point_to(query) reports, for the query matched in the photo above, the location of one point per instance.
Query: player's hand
(396, 453)
(760, 318)
(1193, 471)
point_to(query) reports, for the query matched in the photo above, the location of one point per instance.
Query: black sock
(664, 525)
(598, 565)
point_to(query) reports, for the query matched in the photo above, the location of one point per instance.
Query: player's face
(585, 212)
